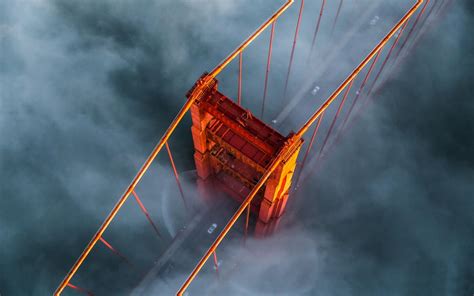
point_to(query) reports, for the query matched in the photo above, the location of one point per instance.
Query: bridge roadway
(192, 240)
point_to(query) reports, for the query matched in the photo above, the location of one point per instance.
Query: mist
(87, 88)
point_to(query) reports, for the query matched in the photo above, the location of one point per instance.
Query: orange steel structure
(234, 148)
(263, 161)
(291, 142)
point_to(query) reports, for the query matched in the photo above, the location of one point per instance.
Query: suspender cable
(176, 176)
(387, 58)
(216, 264)
(298, 22)
(124, 197)
(269, 58)
(159, 146)
(79, 289)
(392, 49)
(341, 105)
(430, 12)
(109, 246)
(369, 97)
(310, 145)
(316, 30)
(442, 9)
(375, 51)
(145, 211)
(358, 69)
(239, 82)
(439, 15)
(292, 141)
(438, 9)
(282, 154)
(333, 123)
(359, 91)
(422, 27)
(247, 220)
(337, 16)
(249, 40)
(412, 28)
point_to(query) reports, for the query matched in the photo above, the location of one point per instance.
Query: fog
(88, 87)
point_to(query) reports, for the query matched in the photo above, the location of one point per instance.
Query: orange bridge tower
(233, 149)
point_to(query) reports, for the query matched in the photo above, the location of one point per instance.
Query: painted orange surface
(234, 149)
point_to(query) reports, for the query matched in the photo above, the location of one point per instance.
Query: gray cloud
(87, 87)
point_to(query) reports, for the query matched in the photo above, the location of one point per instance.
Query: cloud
(87, 87)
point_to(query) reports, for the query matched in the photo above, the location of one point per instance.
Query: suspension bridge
(253, 168)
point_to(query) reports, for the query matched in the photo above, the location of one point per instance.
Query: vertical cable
(419, 32)
(341, 105)
(359, 91)
(216, 264)
(239, 82)
(79, 289)
(316, 30)
(109, 246)
(313, 136)
(412, 28)
(387, 58)
(145, 211)
(247, 221)
(293, 49)
(176, 176)
(337, 16)
(269, 58)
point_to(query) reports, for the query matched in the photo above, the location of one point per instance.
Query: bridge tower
(233, 149)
